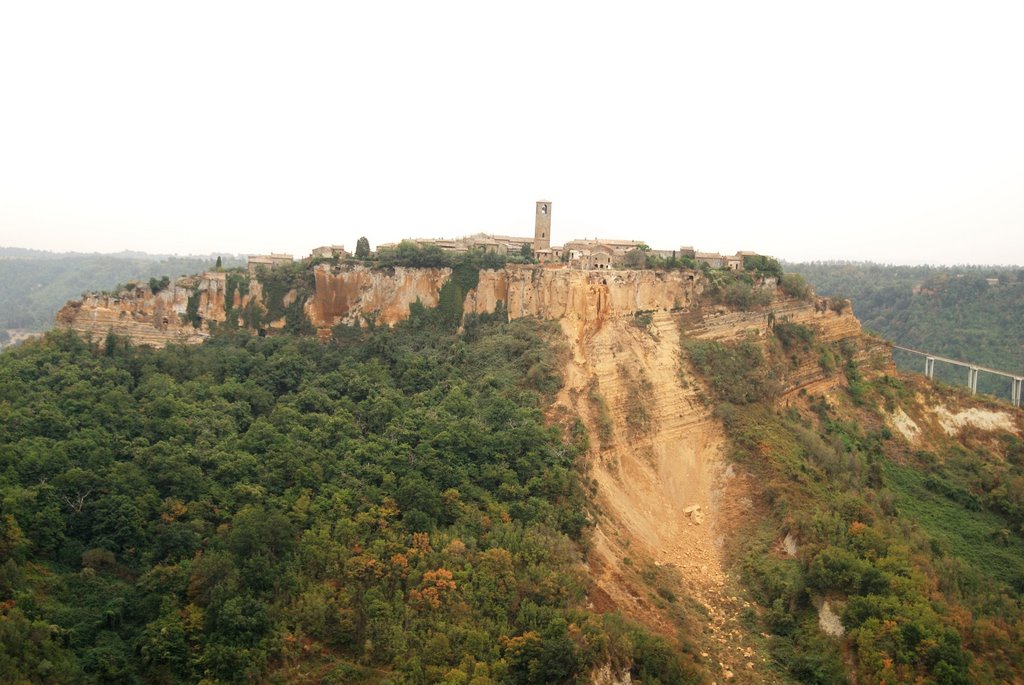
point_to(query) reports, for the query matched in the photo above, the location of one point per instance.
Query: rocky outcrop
(157, 319)
(146, 318)
(584, 296)
(806, 372)
(717, 322)
(354, 294)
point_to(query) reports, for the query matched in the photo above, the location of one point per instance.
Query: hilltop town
(582, 253)
(583, 280)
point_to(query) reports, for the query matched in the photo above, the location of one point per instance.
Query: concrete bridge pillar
(1016, 382)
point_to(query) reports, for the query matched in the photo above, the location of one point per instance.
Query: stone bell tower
(542, 226)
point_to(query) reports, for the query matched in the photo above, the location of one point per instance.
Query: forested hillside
(886, 542)
(431, 503)
(971, 313)
(387, 507)
(35, 284)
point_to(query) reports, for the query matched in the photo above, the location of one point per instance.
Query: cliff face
(718, 323)
(156, 319)
(354, 294)
(805, 372)
(137, 313)
(351, 295)
(588, 297)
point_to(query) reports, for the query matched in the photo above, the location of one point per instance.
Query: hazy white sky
(890, 131)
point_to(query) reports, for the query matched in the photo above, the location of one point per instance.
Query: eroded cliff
(149, 318)
(353, 294)
(667, 500)
(586, 297)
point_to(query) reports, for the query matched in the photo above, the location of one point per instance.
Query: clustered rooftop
(585, 254)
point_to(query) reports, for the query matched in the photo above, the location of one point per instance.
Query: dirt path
(664, 492)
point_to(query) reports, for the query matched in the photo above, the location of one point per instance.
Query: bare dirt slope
(664, 493)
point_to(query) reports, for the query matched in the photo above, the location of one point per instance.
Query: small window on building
(543, 209)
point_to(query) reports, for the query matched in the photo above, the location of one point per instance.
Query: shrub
(736, 373)
(599, 408)
(192, 309)
(408, 253)
(643, 318)
(793, 285)
(793, 335)
(838, 304)
(741, 295)
(764, 266)
(158, 284)
(638, 392)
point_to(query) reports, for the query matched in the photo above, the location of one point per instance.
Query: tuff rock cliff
(187, 311)
(149, 318)
(355, 295)
(326, 295)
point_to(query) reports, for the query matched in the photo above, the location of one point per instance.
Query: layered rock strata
(356, 294)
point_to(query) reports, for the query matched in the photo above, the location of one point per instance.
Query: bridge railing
(1016, 381)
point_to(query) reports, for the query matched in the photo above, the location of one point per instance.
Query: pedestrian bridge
(1016, 381)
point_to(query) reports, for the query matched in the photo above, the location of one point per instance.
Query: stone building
(712, 259)
(717, 261)
(484, 242)
(268, 261)
(329, 252)
(595, 256)
(586, 253)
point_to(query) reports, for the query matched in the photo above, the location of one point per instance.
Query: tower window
(543, 209)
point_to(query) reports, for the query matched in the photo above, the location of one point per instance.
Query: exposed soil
(978, 418)
(829, 621)
(905, 425)
(664, 493)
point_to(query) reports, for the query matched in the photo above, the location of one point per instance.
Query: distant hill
(972, 313)
(34, 284)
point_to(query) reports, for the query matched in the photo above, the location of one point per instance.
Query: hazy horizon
(876, 132)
